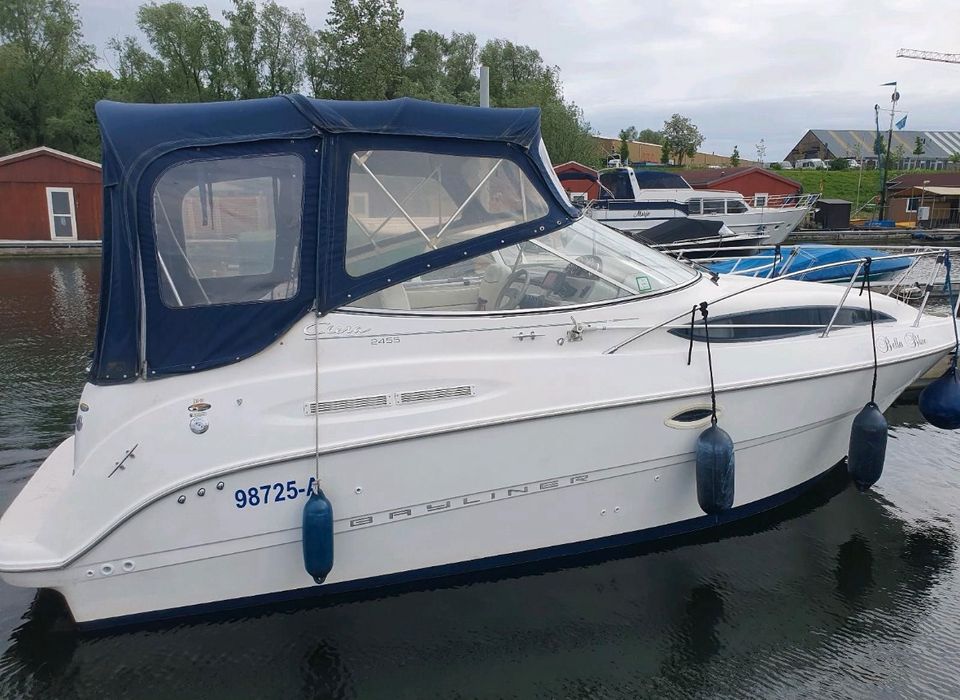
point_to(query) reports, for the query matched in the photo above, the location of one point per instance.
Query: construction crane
(929, 55)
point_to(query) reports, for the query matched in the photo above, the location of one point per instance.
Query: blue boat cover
(138, 335)
(810, 256)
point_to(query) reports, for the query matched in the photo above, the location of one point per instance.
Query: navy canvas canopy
(138, 335)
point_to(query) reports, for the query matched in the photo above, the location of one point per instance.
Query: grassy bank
(842, 184)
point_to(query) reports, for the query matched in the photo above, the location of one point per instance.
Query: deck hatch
(450, 392)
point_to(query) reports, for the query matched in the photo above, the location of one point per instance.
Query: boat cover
(809, 256)
(681, 229)
(138, 335)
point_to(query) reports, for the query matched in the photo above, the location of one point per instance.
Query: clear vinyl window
(583, 263)
(228, 230)
(403, 204)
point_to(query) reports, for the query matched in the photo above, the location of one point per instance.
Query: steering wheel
(594, 262)
(514, 290)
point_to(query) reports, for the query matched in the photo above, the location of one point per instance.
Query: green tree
(460, 67)
(282, 40)
(425, 73)
(682, 136)
(650, 136)
(626, 136)
(141, 77)
(43, 60)
(244, 58)
(566, 133)
(735, 156)
(360, 54)
(665, 154)
(899, 153)
(954, 157)
(191, 47)
(918, 146)
(839, 164)
(75, 130)
(516, 70)
(519, 78)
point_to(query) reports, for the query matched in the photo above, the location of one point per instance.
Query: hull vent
(312, 408)
(450, 392)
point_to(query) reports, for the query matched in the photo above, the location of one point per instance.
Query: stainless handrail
(843, 299)
(929, 287)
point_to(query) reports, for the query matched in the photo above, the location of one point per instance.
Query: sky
(741, 70)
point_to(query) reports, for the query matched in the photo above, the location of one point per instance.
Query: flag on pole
(902, 123)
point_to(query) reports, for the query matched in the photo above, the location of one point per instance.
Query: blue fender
(318, 536)
(715, 470)
(940, 400)
(868, 446)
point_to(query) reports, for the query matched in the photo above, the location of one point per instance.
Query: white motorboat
(631, 206)
(396, 301)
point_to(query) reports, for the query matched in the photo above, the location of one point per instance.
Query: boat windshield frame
(692, 276)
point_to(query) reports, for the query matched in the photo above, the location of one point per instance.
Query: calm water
(838, 595)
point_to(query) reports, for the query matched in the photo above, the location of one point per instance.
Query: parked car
(810, 164)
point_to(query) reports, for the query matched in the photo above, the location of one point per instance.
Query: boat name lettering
(911, 340)
(326, 329)
(462, 501)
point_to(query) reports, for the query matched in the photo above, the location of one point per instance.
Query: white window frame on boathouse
(72, 215)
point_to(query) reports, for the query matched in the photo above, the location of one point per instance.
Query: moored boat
(394, 308)
(635, 200)
(814, 263)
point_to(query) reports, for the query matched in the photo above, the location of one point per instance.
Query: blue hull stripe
(476, 565)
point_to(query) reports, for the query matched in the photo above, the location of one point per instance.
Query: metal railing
(783, 201)
(940, 255)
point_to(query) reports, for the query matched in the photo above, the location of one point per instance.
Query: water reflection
(637, 621)
(854, 568)
(48, 316)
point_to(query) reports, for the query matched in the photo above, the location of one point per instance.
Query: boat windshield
(583, 263)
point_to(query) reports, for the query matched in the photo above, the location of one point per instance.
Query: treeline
(50, 78)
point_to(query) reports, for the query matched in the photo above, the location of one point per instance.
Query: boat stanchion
(318, 535)
(868, 436)
(714, 454)
(940, 400)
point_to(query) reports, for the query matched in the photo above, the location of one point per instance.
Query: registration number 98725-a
(271, 493)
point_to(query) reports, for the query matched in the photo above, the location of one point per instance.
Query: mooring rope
(873, 334)
(713, 388)
(316, 400)
(948, 288)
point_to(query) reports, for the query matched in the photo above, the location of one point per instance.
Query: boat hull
(771, 225)
(498, 495)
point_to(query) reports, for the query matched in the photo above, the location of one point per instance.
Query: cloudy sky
(741, 70)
